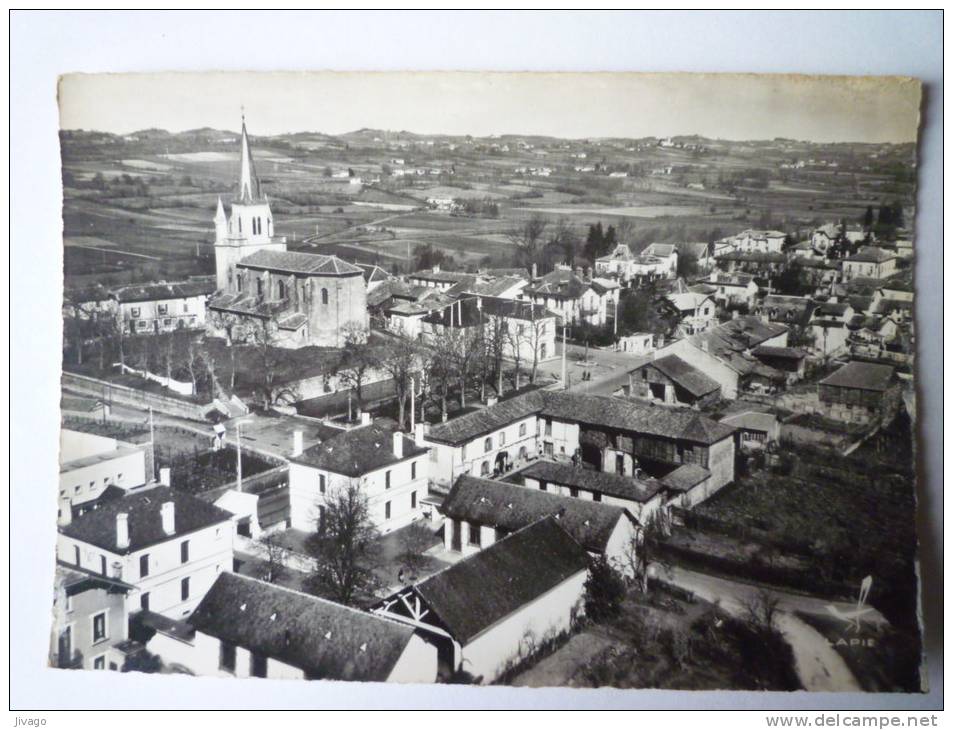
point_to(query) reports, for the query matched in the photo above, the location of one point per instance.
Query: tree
(528, 240)
(604, 590)
(400, 360)
(415, 540)
(868, 218)
(275, 556)
(563, 242)
(358, 358)
(594, 242)
(687, 266)
(344, 547)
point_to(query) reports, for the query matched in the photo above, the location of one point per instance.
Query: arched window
(502, 437)
(484, 469)
(522, 429)
(324, 296)
(261, 287)
(281, 289)
(487, 444)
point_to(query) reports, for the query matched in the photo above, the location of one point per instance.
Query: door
(620, 464)
(259, 665)
(65, 648)
(455, 536)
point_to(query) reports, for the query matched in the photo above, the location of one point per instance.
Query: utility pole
(238, 449)
(152, 442)
(565, 384)
(413, 387)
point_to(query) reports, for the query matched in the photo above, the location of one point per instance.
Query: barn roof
(614, 485)
(862, 376)
(682, 373)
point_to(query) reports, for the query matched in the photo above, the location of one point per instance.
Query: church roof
(296, 262)
(249, 187)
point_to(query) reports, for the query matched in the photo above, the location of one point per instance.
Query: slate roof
(325, 639)
(444, 277)
(614, 485)
(793, 353)
(477, 592)
(512, 507)
(298, 262)
(360, 450)
(98, 527)
(373, 272)
(682, 373)
(490, 288)
(155, 292)
(662, 250)
(485, 420)
(862, 376)
(730, 340)
(685, 477)
(620, 253)
(559, 284)
(871, 254)
(752, 421)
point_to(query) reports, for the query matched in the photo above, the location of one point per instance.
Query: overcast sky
(821, 109)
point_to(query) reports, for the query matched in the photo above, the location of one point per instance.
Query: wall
(487, 655)
(126, 469)
(163, 315)
(707, 363)
(135, 398)
(85, 605)
(417, 664)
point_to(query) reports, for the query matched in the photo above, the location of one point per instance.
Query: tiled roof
(794, 353)
(615, 485)
(511, 507)
(662, 250)
(871, 254)
(494, 287)
(752, 421)
(360, 450)
(685, 477)
(373, 272)
(297, 262)
(730, 341)
(485, 420)
(722, 279)
(76, 580)
(451, 277)
(155, 292)
(559, 284)
(98, 527)
(862, 376)
(325, 639)
(481, 590)
(682, 373)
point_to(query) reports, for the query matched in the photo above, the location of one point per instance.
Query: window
(99, 627)
(474, 538)
(322, 485)
(77, 489)
(163, 309)
(142, 324)
(102, 564)
(487, 444)
(549, 427)
(413, 500)
(542, 486)
(184, 551)
(144, 565)
(238, 280)
(324, 296)
(185, 307)
(502, 437)
(144, 601)
(281, 289)
(99, 662)
(69, 603)
(522, 429)
(386, 510)
(597, 496)
(167, 321)
(573, 492)
(226, 656)
(135, 311)
(484, 468)
(92, 484)
(387, 479)
(413, 470)
(260, 285)
(259, 665)
(184, 592)
(76, 554)
(119, 477)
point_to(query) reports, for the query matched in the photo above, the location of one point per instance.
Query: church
(291, 299)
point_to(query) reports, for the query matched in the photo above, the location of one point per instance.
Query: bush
(604, 590)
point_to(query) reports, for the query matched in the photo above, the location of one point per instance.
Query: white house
(696, 311)
(574, 299)
(870, 262)
(484, 620)
(168, 544)
(391, 470)
(91, 464)
(154, 308)
(734, 289)
(249, 628)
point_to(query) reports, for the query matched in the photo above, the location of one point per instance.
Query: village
(455, 435)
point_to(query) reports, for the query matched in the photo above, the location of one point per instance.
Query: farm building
(672, 381)
(859, 392)
(482, 619)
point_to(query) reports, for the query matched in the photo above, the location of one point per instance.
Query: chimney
(122, 531)
(436, 268)
(398, 444)
(419, 434)
(491, 400)
(297, 443)
(533, 275)
(65, 515)
(165, 476)
(365, 418)
(168, 517)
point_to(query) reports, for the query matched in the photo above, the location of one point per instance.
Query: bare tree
(358, 358)
(464, 352)
(269, 362)
(415, 540)
(275, 556)
(401, 359)
(516, 336)
(345, 546)
(528, 240)
(761, 611)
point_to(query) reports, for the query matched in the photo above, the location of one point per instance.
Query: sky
(571, 105)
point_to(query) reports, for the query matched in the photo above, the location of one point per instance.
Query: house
(479, 512)
(753, 429)
(788, 310)
(249, 628)
(437, 279)
(829, 327)
(90, 626)
(789, 360)
(656, 261)
(639, 494)
(575, 299)
(859, 392)
(168, 544)
(734, 290)
(870, 262)
(724, 354)
(374, 277)
(762, 265)
(695, 310)
(823, 237)
(155, 308)
(750, 241)
(501, 287)
(608, 434)
(639, 343)
(672, 381)
(616, 263)
(481, 617)
(405, 317)
(390, 469)
(96, 468)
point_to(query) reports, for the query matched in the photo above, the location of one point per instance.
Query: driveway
(608, 369)
(819, 667)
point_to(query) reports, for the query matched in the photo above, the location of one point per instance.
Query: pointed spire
(249, 189)
(220, 212)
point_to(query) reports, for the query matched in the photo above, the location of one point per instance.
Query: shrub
(604, 590)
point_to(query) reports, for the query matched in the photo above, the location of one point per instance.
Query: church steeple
(249, 189)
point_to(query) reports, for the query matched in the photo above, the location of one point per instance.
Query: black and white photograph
(570, 380)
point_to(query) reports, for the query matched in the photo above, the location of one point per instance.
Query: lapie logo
(853, 618)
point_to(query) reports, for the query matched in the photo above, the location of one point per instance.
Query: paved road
(609, 369)
(818, 666)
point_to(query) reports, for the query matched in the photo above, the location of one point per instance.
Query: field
(153, 194)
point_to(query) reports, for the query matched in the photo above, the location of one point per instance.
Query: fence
(288, 558)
